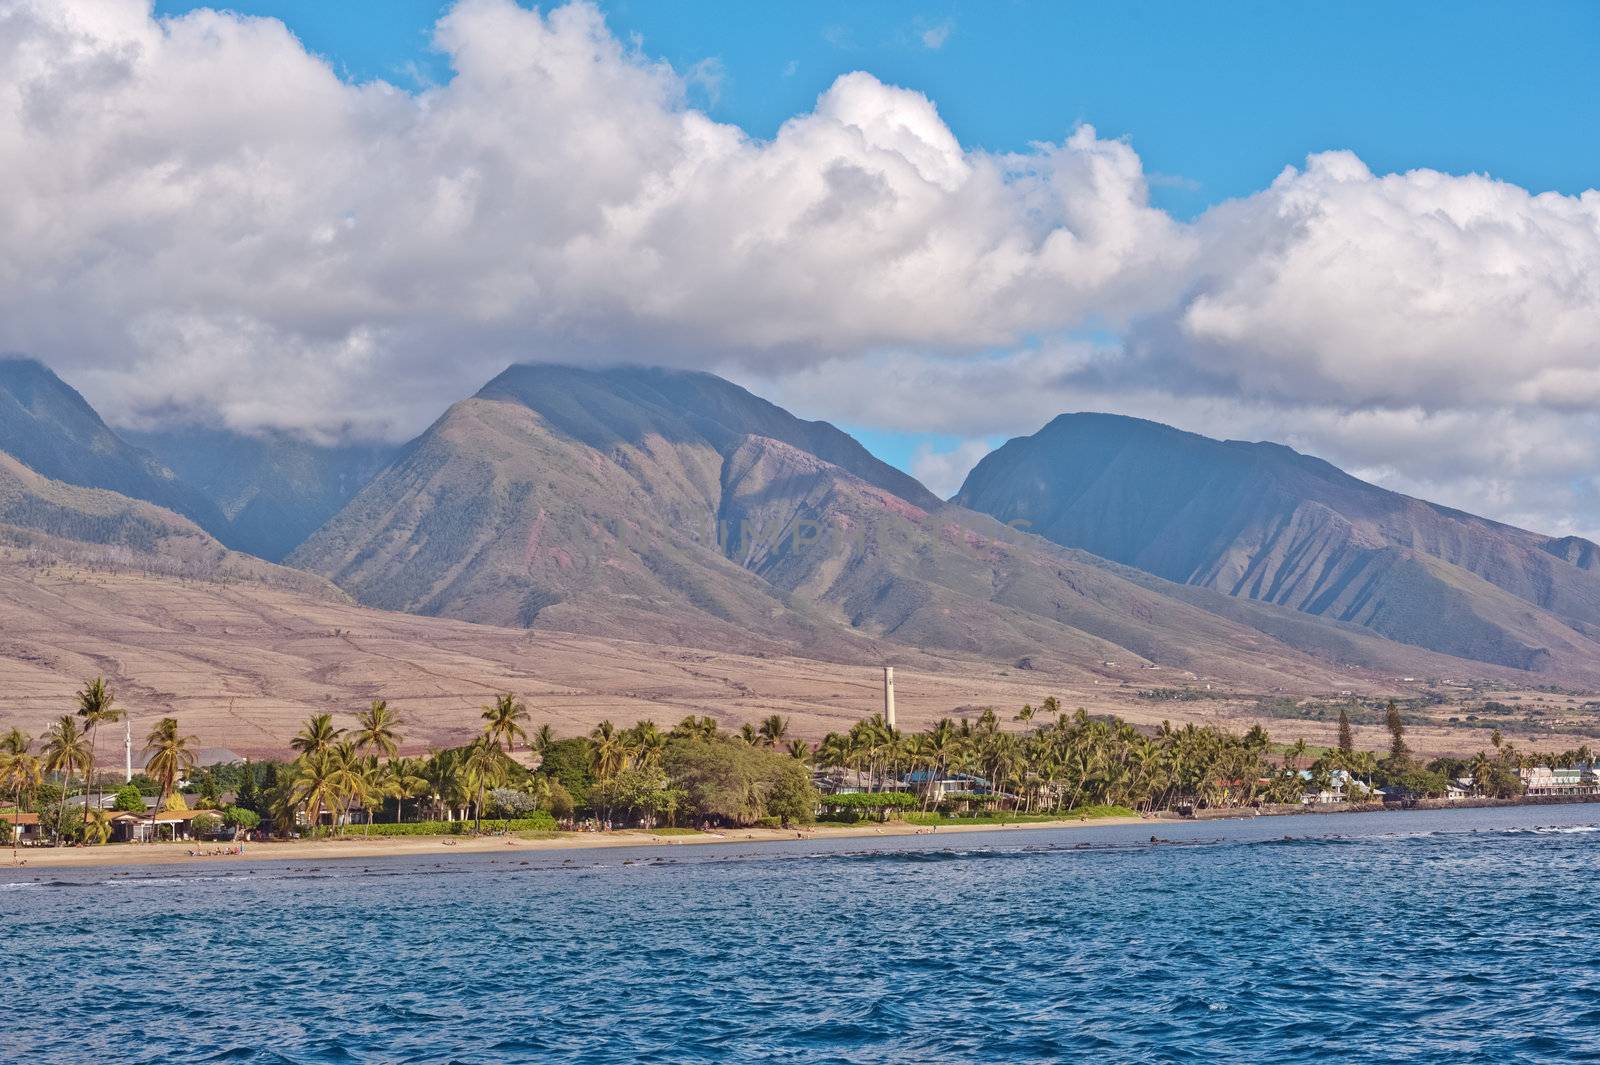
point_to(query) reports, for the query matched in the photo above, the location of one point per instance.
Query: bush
(510, 803)
(538, 821)
(560, 802)
(207, 825)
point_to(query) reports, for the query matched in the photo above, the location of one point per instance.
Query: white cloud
(1421, 287)
(944, 470)
(934, 37)
(202, 211)
(201, 215)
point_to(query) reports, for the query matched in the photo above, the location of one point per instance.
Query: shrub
(511, 803)
(207, 825)
(539, 821)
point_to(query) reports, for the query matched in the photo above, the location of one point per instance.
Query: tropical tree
(1347, 736)
(406, 780)
(318, 734)
(645, 744)
(1398, 751)
(483, 768)
(66, 752)
(773, 730)
(20, 776)
(171, 755)
(96, 705)
(376, 730)
(503, 722)
(318, 784)
(610, 751)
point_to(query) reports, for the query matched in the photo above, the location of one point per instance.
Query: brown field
(241, 665)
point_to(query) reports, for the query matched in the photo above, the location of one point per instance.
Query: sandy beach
(379, 847)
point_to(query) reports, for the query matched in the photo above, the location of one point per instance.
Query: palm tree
(610, 753)
(66, 751)
(349, 780)
(171, 756)
(21, 774)
(317, 783)
(375, 730)
(483, 768)
(773, 730)
(502, 722)
(442, 771)
(543, 739)
(648, 744)
(316, 735)
(95, 705)
(406, 781)
(15, 742)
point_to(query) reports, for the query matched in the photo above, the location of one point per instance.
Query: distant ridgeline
(678, 508)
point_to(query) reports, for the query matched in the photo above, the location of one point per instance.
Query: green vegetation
(1082, 813)
(539, 822)
(1042, 764)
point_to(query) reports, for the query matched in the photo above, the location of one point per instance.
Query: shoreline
(356, 846)
(353, 847)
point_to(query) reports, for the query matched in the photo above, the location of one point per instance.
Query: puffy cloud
(1417, 288)
(201, 216)
(205, 215)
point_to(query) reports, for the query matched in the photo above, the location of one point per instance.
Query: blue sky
(1217, 99)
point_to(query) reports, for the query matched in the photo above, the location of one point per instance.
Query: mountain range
(675, 508)
(1260, 521)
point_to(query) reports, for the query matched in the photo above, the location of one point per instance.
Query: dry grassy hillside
(241, 664)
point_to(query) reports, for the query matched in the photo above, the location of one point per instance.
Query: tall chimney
(127, 751)
(888, 696)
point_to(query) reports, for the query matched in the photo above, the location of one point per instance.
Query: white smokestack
(888, 696)
(127, 751)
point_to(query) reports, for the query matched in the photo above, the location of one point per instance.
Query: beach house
(24, 827)
(156, 825)
(944, 785)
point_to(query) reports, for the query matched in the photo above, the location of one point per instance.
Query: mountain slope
(274, 488)
(678, 508)
(50, 428)
(61, 522)
(1262, 522)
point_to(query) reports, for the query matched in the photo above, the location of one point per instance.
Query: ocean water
(1438, 936)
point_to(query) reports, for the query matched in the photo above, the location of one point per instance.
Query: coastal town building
(25, 827)
(836, 780)
(939, 785)
(155, 825)
(1576, 781)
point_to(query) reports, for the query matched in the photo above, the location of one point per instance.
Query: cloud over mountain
(202, 214)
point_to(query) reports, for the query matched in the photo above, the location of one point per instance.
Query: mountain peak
(1262, 521)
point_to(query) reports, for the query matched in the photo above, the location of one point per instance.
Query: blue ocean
(1469, 935)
